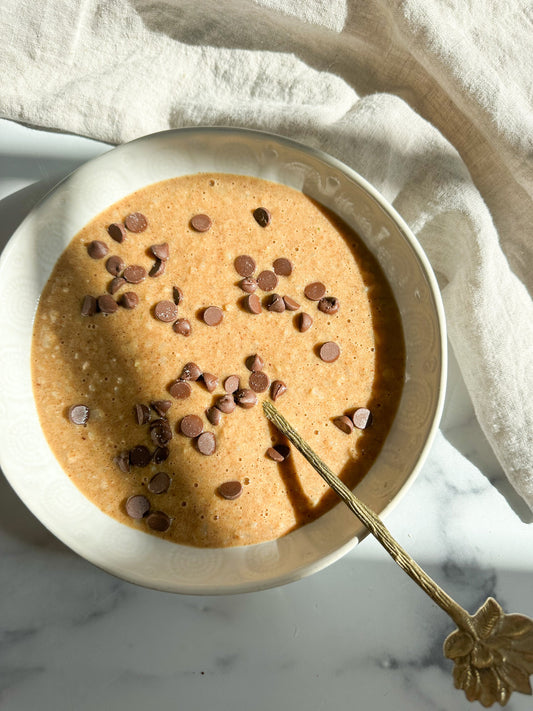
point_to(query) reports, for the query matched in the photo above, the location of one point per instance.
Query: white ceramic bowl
(25, 266)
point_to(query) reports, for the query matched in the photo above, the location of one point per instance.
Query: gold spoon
(492, 651)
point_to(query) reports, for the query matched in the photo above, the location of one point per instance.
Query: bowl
(25, 266)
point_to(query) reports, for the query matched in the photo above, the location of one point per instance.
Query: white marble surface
(357, 635)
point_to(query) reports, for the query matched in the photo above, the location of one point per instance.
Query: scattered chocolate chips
(255, 362)
(190, 372)
(158, 521)
(210, 381)
(214, 415)
(328, 305)
(343, 423)
(315, 291)
(267, 280)
(140, 456)
(159, 483)
(225, 404)
(213, 316)
(232, 384)
(97, 249)
(291, 304)
(275, 303)
(201, 223)
(362, 418)
(177, 295)
(107, 304)
(249, 285)
(180, 389)
(279, 452)
(137, 506)
(244, 265)
(160, 455)
(122, 460)
(78, 414)
(157, 269)
(136, 222)
(304, 322)
(129, 300)
(230, 490)
(115, 265)
(182, 326)
(282, 267)
(245, 398)
(277, 389)
(134, 274)
(191, 426)
(259, 381)
(115, 284)
(253, 304)
(262, 216)
(161, 406)
(274, 454)
(160, 251)
(117, 232)
(206, 443)
(329, 352)
(142, 414)
(88, 306)
(165, 311)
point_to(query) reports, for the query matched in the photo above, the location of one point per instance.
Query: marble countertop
(359, 634)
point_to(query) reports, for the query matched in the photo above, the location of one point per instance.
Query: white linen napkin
(430, 100)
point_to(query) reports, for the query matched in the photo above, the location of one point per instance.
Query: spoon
(492, 651)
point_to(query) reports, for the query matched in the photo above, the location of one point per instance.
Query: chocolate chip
(158, 521)
(283, 450)
(267, 280)
(160, 251)
(182, 326)
(304, 322)
(230, 490)
(177, 295)
(157, 269)
(129, 300)
(142, 414)
(275, 303)
(89, 306)
(190, 372)
(328, 305)
(225, 404)
(160, 432)
(159, 483)
(206, 443)
(315, 291)
(165, 311)
(180, 389)
(329, 352)
(282, 267)
(262, 216)
(245, 398)
(255, 362)
(134, 274)
(277, 389)
(115, 284)
(362, 418)
(343, 423)
(291, 304)
(213, 316)
(115, 265)
(214, 415)
(191, 426)
(78, 414)
(117, 232)
(244, 265)
(140, 456)
(160, 455)
(259, 381)
(249, 284)
(137, 506)
(201, 223)
(136, 222)
(253, 304)
(107, 304)
(231, 384)
(122, 460)
(161, 406)
(210, 381)
(97, 249)
(273, 454)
